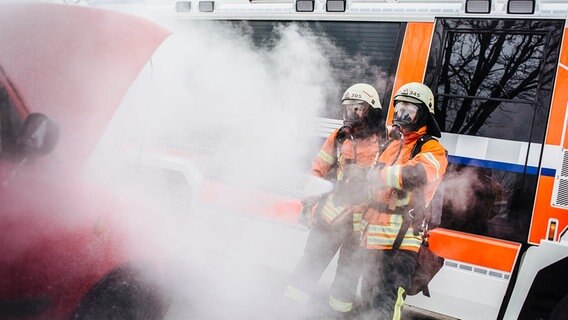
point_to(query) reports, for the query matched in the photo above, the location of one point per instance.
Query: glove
(306, 217)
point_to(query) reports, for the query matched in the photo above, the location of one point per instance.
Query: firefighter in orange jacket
(403, 185)
(347, 155)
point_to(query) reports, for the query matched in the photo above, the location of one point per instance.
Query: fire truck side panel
(520, 158)
(541, 280)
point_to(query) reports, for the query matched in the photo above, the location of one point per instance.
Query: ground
(239, 301)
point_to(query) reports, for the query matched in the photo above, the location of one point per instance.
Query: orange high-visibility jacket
(399, 175)
(364, 152)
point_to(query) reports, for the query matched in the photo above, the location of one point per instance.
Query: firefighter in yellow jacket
(404, 182)
(346, 156)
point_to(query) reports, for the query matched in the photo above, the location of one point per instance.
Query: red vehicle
(64, 249)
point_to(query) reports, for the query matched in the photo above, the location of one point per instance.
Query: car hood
(74, 64)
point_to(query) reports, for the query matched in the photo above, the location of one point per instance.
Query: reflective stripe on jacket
(381, 234)
(425, 170)
(366, 151)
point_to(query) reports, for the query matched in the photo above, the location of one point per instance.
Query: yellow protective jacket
(391, 196)
(359, 153)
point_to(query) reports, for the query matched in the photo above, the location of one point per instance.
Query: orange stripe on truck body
(558, 108)
(564, 53)
(413, 56)
(559, 99)
(473, 249)
(245, 199)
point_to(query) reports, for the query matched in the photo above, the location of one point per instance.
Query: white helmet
(363, 92)
(418, 93)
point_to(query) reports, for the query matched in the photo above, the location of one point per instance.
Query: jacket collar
(412, 136)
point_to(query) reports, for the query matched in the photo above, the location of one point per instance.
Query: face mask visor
(405, 114)
(354, 111)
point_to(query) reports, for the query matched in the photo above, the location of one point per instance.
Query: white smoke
(239, 114)
(459, 190)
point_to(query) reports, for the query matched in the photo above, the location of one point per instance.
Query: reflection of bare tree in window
(496, 67)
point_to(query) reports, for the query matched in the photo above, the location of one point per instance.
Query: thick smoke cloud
(231, 112)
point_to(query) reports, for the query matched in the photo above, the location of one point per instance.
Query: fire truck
(498, 70)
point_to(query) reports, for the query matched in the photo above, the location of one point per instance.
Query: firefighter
(402, 186)
(346, 156)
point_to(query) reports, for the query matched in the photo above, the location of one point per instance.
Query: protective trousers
(386, 278)
(322, 245)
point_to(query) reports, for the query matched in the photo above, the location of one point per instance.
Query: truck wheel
(122, 295)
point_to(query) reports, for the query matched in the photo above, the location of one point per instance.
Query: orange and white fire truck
(499, 71)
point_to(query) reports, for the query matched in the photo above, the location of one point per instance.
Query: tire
(122, 295)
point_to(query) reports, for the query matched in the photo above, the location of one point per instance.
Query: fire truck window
(499, 74)
(481, 70)
(507, 121)
(493, 79)
(493, 65)
(489, 202)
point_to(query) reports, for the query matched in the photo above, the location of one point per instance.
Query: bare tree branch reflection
(494, 67)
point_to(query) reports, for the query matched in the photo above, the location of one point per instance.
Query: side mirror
(39, 135)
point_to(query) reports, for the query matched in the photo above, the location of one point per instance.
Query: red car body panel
(60, 235)
(74, 64)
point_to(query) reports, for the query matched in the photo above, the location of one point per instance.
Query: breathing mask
(354, 112)
(408, 116)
